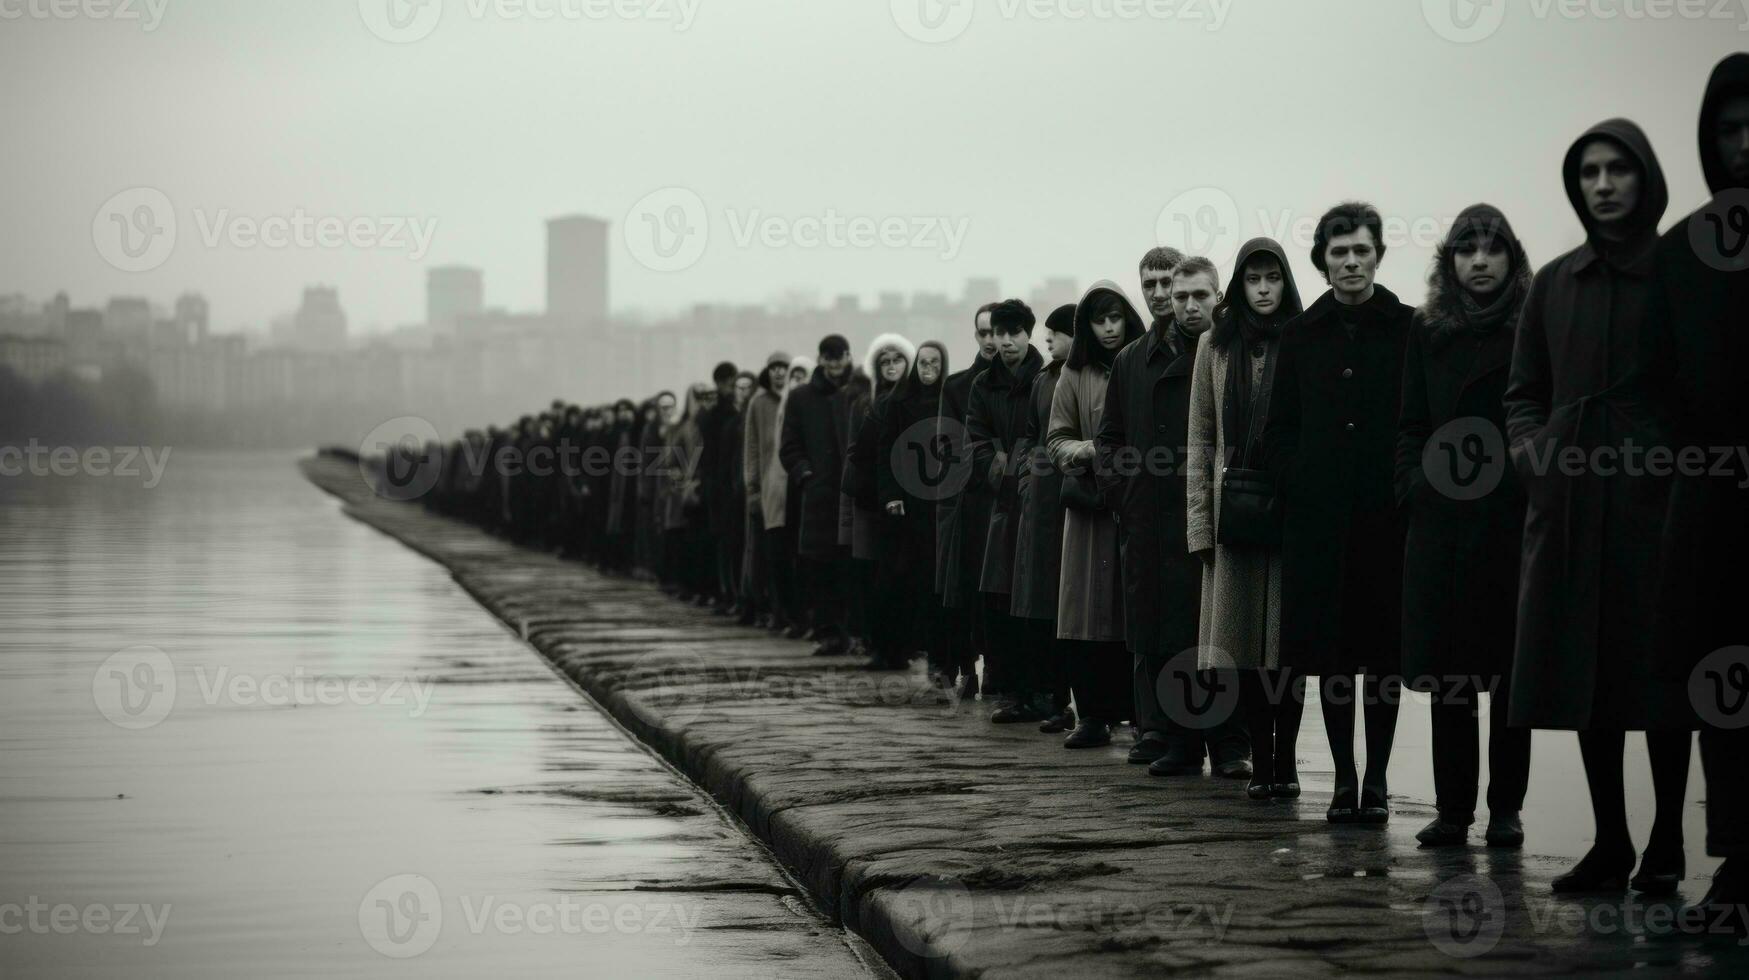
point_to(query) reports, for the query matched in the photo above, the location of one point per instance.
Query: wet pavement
(245, 736)
(958, 848)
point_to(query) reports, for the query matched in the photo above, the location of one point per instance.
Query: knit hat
(1062, 320)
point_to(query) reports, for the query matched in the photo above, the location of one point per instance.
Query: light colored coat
(1090, 591)
(767, 483)
(1240, 625)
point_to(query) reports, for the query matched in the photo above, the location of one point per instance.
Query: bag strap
(1260, 409)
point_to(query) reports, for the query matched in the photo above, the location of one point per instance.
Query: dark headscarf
(912, 391)
(1241, 333)
(1450, 311)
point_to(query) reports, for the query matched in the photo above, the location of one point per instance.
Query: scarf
(1483, 320)
(1256, 337)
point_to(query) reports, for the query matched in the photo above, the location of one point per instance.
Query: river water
(244, 735)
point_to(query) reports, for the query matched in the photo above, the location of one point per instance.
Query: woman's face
(1263, 284)
(779, 374)
(929, 365)
(893, 366)
(1481, 265)
(798, 376)
(665, 408)
(1108, 329)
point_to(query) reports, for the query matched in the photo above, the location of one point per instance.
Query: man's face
(1157, 292)
(1193, 301)
(1481, 265)
(836, 366)
(1731, 131)
(1610, 182)
(1263, 286)
(627, 415)
(1352, 261)
(726, 389)
(985, 335)
(1057, 344)
(743, 391)
(665, 407)
(707, 398)
(779, 375)
(1011, 347)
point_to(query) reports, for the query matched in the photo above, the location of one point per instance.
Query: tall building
(577, 269)
(127, 315)
(193, 318)
(452, 292)
(981, 290)
(320, 323)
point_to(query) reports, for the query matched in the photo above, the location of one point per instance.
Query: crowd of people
(1121, 513)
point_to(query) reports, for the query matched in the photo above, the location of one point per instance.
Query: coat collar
(1326, 307)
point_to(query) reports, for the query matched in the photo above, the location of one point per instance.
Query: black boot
(1090, 734)
(1605, 868)
(1447, 830)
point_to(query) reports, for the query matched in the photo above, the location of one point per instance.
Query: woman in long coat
(1591, 373)
(767, 489)
(1090, 610)
(1241, 584)
(907, 427)
(887, 363)
(685, 521)
(651, 487)
(1038, 536)
(1331, 443)
(789, 596)
(1466, 521)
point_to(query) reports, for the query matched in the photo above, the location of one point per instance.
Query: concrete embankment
(958, 848)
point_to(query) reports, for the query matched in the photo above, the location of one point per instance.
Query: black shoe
(1344, 806)
(1234, 769)
(1013, 713)
(1089, 734)
(1183, 757)
(1505, 830)
(1058, 723)
(1375, 806)
(1151, 746)
(1725, 909)
(1660, 872)
(1258, 791)
(1597, 871)
(1284, 791)
(1446, 831)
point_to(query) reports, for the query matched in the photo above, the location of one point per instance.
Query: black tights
(1273, 702)
(1668, 752)
(1336, 696)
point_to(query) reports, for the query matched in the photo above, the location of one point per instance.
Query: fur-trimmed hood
(886, 342)
(1442, 313)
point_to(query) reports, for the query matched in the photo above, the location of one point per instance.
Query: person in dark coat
(995, 420)
(1331, 443)
(887, 363)
(716, 428)
(1708, 292)
(1591, 374)
(767, 492)
(622, 443)
(908, 505)
(811, 448)
(1038, 535)
(1466, 522)
(1091, 597)
(1147, 420)
(747, 607)
(962, 519)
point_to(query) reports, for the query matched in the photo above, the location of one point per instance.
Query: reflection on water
(289, 745)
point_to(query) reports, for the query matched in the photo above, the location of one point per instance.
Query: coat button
(1348, 372)
(1349, 427)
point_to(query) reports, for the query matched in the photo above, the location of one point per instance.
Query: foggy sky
(1053, 142)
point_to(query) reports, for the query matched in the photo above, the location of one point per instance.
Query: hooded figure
(1241, 587)
(995, 422)
(902, 462)
(1591, 370)
(1708, 532)
(1038, 536)
(1591, 375)
(1460, 565)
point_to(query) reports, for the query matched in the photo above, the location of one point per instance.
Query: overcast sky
(1022, 143)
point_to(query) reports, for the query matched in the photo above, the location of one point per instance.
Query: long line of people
(1129, 519)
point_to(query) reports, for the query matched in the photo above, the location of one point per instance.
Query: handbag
(1080, 494)
(1250, 503)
